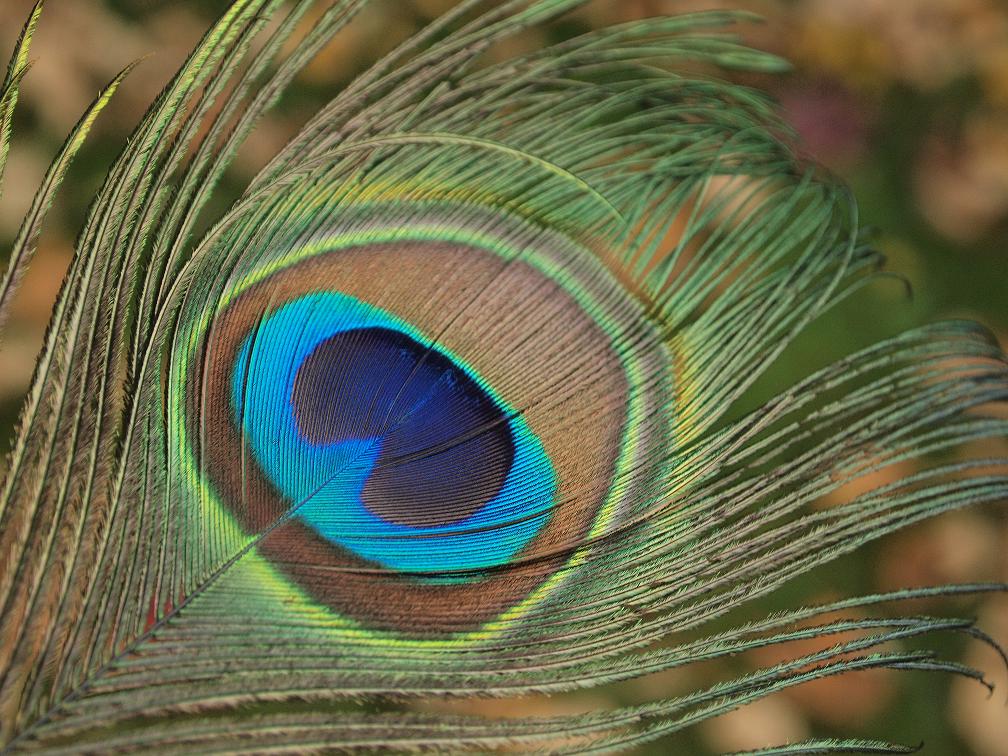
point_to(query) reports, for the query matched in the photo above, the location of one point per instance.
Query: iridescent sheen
(383, 443)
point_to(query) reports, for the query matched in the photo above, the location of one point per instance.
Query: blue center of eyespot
(387, 446)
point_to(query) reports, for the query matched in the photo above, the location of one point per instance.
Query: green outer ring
(202, 489)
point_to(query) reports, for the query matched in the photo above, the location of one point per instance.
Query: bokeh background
(906, 100)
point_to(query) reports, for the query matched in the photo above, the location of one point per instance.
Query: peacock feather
(446, 403)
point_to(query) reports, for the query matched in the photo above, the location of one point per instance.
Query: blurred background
(906, 100)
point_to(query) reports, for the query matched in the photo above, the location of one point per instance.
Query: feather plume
(442, 405)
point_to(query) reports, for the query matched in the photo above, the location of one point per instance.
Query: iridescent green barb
(439, 408)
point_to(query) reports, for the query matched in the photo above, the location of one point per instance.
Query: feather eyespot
(415, 470)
